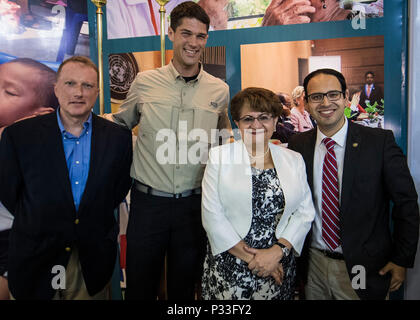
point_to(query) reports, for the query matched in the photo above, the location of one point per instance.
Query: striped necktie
(330, 195)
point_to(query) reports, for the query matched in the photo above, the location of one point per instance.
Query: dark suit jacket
(375, 173)
(35, 188)
(375, 95)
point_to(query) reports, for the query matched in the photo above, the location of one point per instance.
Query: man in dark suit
(370, 92)
(61, 176)
(354, 172)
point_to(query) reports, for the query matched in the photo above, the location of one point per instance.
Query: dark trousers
(159, 226)
(4, 249)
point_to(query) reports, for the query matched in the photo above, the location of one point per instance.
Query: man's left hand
(398, 275)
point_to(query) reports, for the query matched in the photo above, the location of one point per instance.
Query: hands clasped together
(266, 262)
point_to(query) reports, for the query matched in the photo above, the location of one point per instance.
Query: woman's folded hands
(266, 262)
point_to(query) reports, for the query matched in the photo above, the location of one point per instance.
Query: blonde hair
(79, 59)
(297, 93)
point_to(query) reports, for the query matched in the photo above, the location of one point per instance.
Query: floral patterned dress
(226, 277)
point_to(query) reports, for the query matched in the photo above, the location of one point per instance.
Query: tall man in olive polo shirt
(165, 213)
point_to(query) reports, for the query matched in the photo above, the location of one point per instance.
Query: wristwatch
(286, 250)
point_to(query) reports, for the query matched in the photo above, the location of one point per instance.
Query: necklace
(260, 156)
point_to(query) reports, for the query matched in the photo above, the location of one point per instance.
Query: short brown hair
(258, 99)
(190, 10)
(80, 59)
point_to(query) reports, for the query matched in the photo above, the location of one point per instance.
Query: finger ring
(255, 271)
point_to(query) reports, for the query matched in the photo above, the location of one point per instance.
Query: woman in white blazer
(256, 207)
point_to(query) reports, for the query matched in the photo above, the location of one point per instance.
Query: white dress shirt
(6, 219)
(320, 151)
(368, 89)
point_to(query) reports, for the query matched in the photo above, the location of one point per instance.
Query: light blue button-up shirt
(77, 151)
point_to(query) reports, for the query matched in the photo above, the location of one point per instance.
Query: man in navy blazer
(370, 92)
(364, 259)
(61, 176)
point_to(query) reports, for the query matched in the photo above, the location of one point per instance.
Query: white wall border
(412, 287)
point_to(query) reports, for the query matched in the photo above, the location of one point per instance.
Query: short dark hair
(369, 72)
(258, 99)
(191, 10)
(331, 72)
(80, 59)
(47, 80)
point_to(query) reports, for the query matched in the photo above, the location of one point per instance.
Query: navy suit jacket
(35, 188)
(375, 95)
(375, 173)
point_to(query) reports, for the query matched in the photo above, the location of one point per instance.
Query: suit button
(76, 221)
(68, 249)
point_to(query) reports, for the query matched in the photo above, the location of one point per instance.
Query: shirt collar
(339, 137)
(176, 75)
(86, 124)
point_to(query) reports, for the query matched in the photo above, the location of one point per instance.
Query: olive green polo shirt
(167, 109)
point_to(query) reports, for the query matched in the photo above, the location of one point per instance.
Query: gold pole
(99, 4)
(163, 292)
(162, 11)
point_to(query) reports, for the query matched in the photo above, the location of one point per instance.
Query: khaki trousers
(75, 284)
(328, 279)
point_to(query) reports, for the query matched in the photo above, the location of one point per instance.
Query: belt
(149, 190)
(331, 254)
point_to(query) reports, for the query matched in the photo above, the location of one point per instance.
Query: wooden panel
(357, 57)
(214, 55)
(357, 74)
(348, 43)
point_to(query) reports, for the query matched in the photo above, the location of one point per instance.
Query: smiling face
(329, 115)
(189, 40)
(18, 92)
(257, 132)
(76, 90)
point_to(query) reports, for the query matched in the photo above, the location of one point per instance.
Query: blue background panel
(393, 26)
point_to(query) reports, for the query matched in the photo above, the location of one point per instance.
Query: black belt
(331, 254)
(149, 190)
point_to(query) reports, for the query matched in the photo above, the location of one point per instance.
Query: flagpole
(162, 3)
(162, 11)
(99, 4)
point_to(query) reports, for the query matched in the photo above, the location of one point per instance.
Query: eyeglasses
(319, 97)
(262, 118)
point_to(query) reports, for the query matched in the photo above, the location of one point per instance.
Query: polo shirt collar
(176, 75)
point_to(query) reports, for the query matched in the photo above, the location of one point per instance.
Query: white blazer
(227, 196)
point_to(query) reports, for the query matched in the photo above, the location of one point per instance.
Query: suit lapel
(308, 155)
(53, 144)
(97, 152)
(351, 157)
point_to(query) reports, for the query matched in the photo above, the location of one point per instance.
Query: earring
(324, 6)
